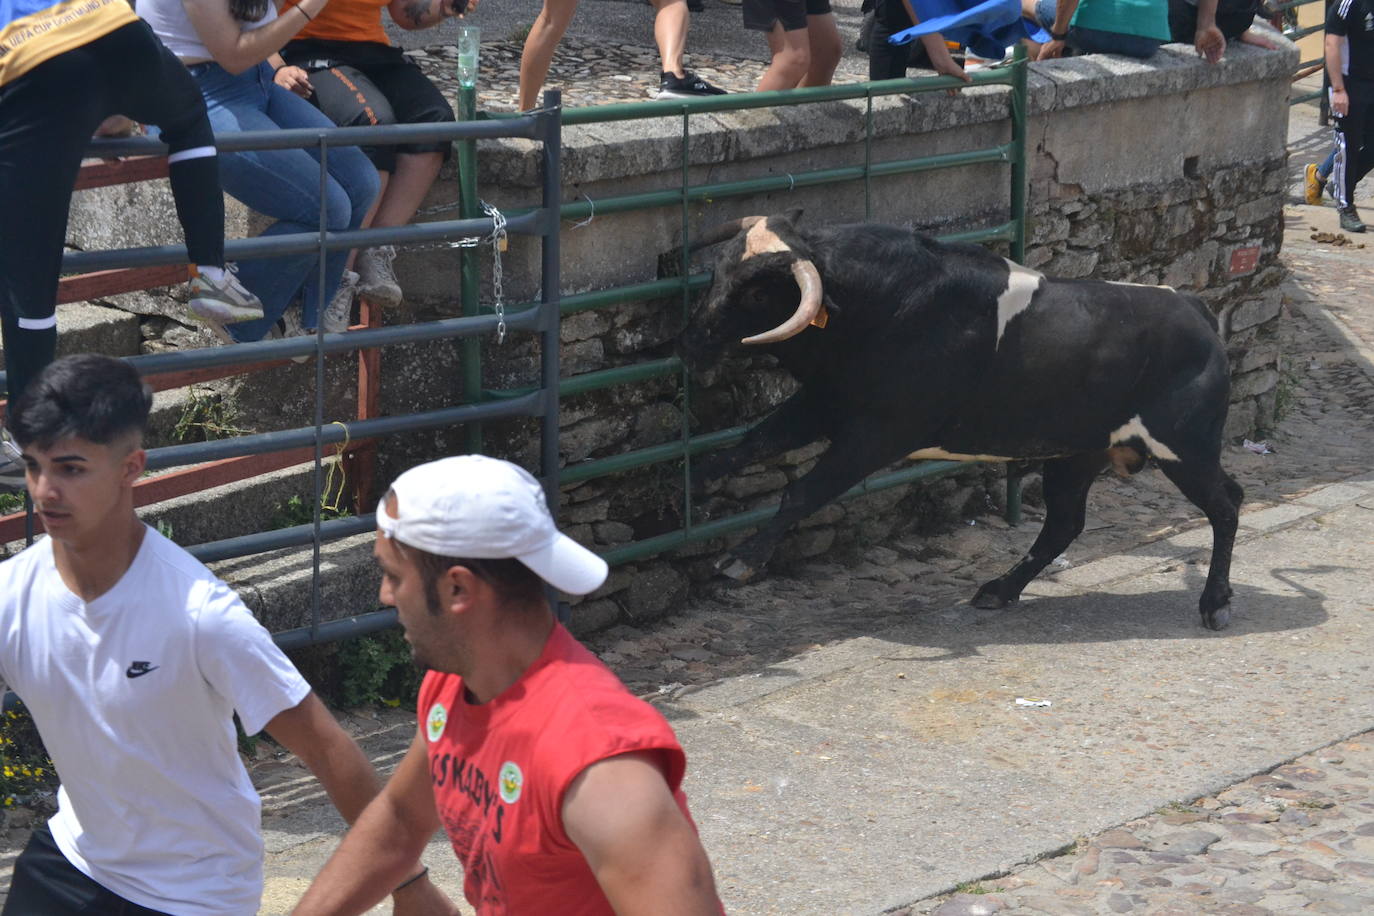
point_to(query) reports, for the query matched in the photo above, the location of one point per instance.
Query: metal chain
(499, 244)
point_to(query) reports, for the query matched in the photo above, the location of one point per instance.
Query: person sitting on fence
(589, 776)
(133, 660)
(343, 61)
(1134, 28)
(671, 19)
(226, 44)
(804, 44)
(1208, 25)
(887, 61)
(63, 72)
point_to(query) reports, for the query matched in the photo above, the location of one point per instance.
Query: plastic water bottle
(469, 43)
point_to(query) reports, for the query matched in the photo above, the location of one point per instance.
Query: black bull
(905, 346)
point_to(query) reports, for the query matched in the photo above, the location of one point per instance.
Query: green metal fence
(685, 194)
(1293, 34)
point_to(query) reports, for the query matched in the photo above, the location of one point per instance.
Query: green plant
(1285, 392)
(165, 528)
(972, 887)
(377, 669)
(520, 32)
(11, 503)
(24, 765)
(207, 416)
(297, 511)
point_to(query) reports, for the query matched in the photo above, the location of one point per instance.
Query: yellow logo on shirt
(512, 781)
(435, 722)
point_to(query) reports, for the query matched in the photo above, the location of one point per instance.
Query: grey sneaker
(289, 325)
(339, 313)
(1350, 220)
(225, 301)
(11, 464)
(377, 277)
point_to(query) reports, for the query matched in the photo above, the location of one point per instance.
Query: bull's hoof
(734, 568)
(1217, 618)
(989, 598)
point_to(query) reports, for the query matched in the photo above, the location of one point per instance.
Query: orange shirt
(346, 20)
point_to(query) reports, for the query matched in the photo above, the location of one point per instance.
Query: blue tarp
(987, 28)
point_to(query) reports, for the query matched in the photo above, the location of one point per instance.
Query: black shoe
(687, 86)
(695, 6)
(1350, 220)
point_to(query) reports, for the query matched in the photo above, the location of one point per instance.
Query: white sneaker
(11, 464)
(225, 301)
(289, 325)
(338, 314)
(377, 277)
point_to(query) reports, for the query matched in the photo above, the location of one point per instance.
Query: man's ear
(135, 463)
(460, 589)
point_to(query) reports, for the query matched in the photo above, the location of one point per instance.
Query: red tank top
(500, 769)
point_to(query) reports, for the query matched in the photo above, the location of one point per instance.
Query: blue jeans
(285, 185)
(1097, 41)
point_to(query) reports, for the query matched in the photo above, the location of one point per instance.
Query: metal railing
(1294, 33)
(542, 318)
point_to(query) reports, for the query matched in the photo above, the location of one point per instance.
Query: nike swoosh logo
(138, 669)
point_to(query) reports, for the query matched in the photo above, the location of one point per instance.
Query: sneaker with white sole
(338, 315)
(687, 86)
(224, 300)
(377, 276)
(11, 465)
(290, 325)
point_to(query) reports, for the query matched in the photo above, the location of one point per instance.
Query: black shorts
(46, 884)
(358, 83)
(760, 15)
(1233, 18)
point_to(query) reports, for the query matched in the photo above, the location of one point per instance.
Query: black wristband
(308, 17)
(1060, 36)
(411, 880)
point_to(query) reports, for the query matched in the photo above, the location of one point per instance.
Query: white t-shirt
(133, 694)
(169, 22)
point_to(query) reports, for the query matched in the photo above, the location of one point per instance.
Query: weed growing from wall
(25, 770)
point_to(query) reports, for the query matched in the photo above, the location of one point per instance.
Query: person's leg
(886, 61)
(671, 20)
(791, 57)
(47, 117)
(1324, 170)
(826, 47)
(540, 44)
(351, 188)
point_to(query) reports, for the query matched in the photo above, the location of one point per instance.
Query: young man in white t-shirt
(132, 658)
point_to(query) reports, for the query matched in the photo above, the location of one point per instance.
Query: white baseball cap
(473, 506)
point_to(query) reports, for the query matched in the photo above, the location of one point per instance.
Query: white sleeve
(237, 656)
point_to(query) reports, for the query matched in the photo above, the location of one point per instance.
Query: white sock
(213, 274)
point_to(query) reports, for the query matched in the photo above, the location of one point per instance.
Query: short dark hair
(513, 581)
(93, 397)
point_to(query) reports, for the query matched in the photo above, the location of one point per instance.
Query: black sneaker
(687, 86)
(1350, 220)
(696, 6)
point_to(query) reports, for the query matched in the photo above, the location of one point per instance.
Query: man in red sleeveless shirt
(560, 791)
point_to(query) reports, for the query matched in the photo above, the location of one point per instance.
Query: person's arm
(235, 49)
(381, 850)
(940, 59)
(1063, 17)
(290, 77)
(422, 14)
(644, 853)
(1207, 39)
(1340, 102)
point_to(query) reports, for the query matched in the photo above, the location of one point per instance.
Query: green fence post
(1019, 113)
(470, 285)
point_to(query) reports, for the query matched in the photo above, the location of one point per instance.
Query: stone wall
(1160, 172)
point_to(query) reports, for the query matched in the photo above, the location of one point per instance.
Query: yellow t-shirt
(37, 30)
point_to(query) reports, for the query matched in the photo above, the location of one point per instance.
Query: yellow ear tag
(822, 318)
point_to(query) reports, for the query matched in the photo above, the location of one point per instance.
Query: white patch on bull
(761, 240)
(939, 454)
(1135, 429)
(1145, 285)
(1022, 284)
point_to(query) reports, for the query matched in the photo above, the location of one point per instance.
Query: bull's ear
(793, 216)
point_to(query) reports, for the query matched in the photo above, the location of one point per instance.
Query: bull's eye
(757, 296)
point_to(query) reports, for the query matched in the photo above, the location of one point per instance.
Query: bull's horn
(724, 232)
(809, 279)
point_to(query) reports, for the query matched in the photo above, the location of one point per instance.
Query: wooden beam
(102, 173)
(102, 283)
